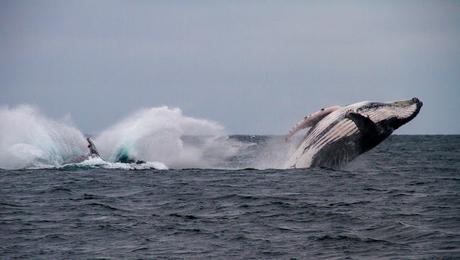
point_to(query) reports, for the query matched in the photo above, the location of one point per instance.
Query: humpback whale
(340, 134)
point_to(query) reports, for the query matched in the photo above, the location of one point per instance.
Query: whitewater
(162, 137)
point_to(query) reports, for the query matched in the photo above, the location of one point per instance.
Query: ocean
(401, 200)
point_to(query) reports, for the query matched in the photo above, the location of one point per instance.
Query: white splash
(161, 137)
(97, 162)
(274, 153)
(29, 139)
(157, 134)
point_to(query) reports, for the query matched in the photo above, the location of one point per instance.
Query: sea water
(400, 200)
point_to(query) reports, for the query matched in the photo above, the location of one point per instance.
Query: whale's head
(393, 114)
(404, 111)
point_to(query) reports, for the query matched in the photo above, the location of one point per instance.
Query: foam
(29, 139)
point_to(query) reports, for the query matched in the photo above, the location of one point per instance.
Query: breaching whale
(339, 134)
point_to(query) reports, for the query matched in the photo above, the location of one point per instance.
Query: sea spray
(163, 134)
(162, 137)
(29, 139)
(274, 152)
(98, 162)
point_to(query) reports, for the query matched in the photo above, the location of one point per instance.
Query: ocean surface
(398, 201)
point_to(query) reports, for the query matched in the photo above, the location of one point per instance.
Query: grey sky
(254, 66)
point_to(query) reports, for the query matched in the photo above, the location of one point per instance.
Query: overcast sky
(255, 66)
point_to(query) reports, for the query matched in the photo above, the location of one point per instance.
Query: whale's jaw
(406, 110)
(400, 112)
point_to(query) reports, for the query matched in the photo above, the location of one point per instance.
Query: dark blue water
(401, 200)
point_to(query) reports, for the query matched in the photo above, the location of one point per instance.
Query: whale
(339, 134)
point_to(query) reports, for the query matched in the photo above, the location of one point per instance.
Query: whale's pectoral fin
(371, 132)
(310, 120)
(365, 125)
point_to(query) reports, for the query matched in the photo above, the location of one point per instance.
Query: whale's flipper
(372, 133)
(311, 120)
(92, 148)
(365, 125)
